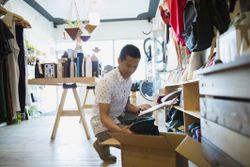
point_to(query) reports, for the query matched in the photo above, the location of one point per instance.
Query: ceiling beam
(153, 4)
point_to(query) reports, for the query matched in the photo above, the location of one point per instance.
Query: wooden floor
(28, 145)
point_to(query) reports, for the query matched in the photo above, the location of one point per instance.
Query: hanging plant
(73, 28)
(84, 38)
(73, 32)
(90, 28)
(72, 24)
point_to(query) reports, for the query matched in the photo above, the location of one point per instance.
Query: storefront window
(108, 55)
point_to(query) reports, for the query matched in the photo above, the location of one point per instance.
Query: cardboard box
(166, 150)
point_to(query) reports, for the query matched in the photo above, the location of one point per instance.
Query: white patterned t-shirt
(114, 90)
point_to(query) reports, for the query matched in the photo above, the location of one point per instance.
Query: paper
(156, 107)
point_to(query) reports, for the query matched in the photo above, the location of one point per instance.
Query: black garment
(145, 125)
(5, 34)
(21, 63)
(3, 1)
(3, 110)
(8, 95)
(5, 95)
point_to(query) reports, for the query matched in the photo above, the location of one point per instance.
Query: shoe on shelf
(104, 153)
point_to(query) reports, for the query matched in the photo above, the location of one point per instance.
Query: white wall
(41, 35)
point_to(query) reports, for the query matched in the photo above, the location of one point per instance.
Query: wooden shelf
(195, 114)
(182, 83)
(241, 61)
(191, 101)
(179, 108)
(60, 81)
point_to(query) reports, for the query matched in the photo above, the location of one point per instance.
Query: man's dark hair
(130, 50)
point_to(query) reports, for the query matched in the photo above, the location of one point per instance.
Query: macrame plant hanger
(73, 27)
(88, 29)
(78, 30)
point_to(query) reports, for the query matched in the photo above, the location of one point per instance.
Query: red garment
(168, 4)
(176, 18)
(164, 15)
(164, 11)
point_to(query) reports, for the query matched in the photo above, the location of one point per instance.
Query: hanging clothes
(3, 107)
(12, 61)
(5, 96)
(176, 19)
(8, 96)
(21, 64)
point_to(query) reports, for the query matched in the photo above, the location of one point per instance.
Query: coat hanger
(3, 11)
(21, 21)
(17, 18)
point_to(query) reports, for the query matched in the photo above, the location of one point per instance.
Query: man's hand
(126, 130)
(144, 106)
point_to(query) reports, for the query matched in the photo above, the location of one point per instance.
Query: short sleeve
(103, 91)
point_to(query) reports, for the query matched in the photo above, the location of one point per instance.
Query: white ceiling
(109, 10)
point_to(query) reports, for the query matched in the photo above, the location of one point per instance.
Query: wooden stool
(62, 112)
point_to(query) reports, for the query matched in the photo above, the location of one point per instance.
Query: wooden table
(68, 83)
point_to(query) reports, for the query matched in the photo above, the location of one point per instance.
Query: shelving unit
(225, 112)
(191, 105)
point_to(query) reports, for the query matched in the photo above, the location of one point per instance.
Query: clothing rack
(17, 18)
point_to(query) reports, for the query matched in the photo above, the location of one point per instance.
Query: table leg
(59, 113)
(85, 99)
(84, 105)
(81, 113)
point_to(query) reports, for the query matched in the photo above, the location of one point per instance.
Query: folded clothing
(145, 125)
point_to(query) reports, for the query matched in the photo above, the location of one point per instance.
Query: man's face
(128, 66)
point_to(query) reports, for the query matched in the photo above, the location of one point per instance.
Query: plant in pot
(73, 28)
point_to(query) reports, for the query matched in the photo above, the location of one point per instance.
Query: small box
(50, 70)
(168, 149)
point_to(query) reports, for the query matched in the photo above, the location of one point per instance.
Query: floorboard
(28, 145)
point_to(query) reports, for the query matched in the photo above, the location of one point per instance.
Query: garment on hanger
(3, 1)
(5, 34)
(12, 61)
(176, 19)
(12, 65)
(5, 49)
(21, 64)
(8, 96)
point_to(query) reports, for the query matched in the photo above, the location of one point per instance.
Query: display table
(68, 83)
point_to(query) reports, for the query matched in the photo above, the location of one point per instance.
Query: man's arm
(136, 109)
(107, 120)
